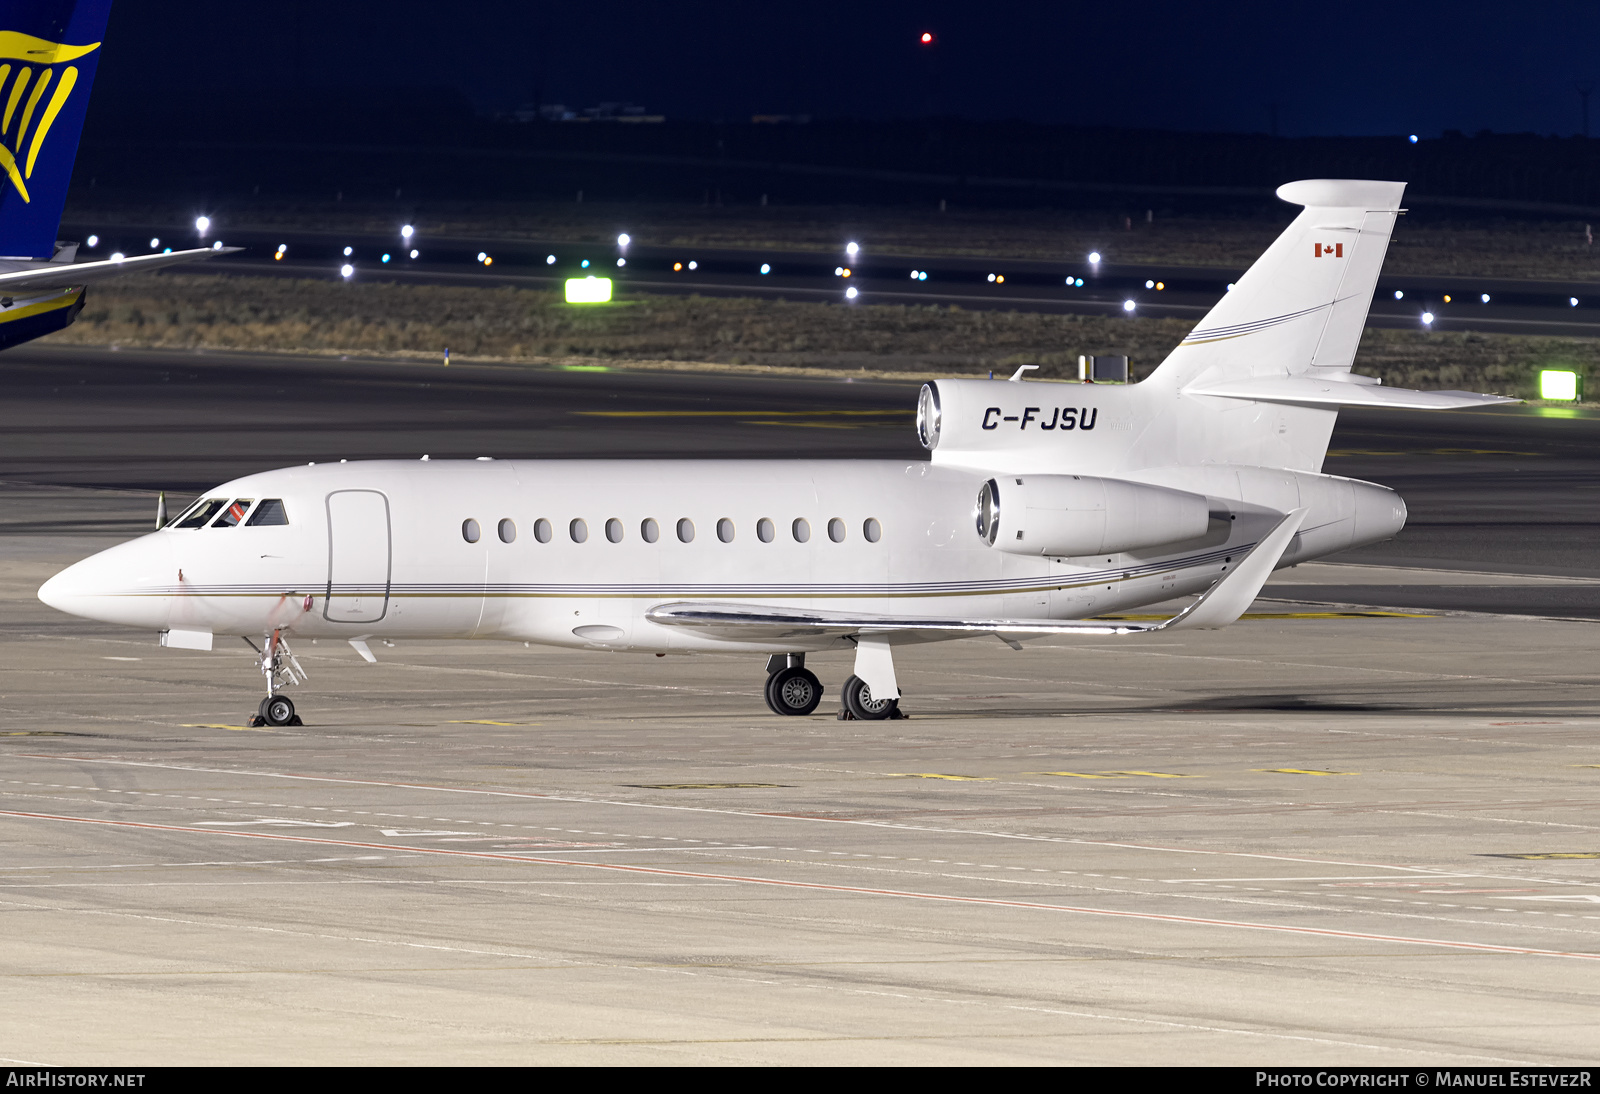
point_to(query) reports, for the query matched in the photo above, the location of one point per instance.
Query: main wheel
(793, 691)
(859, 702)
(277, 710)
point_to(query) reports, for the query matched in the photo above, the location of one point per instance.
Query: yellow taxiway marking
(936, 775)
(1116, 774)
(1300, 771)
(219, 725)
(487, 722)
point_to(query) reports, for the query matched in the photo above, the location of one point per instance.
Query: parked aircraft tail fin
(1303, 305)
(49, 51)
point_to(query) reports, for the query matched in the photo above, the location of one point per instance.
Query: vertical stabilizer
(49, 51)
(1304, 303)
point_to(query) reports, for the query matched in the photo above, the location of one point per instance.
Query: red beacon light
(927, 38)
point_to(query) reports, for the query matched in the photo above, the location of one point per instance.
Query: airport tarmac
(1335, 833)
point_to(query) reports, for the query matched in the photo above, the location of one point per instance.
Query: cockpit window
(233, 514)
(202, 512)
(270, 511)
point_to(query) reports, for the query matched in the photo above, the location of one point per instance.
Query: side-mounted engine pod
(929, 416)
(1085, 515)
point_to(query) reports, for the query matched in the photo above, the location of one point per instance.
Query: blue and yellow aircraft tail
(49, 51)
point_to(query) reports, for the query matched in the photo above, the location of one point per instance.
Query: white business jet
(1041, 506)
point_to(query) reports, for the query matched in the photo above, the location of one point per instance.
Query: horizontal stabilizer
(63, 275)
(1307, 391)
(1220, 605)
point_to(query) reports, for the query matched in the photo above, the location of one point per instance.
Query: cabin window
(270, 511)
(765, 531)
(614, 530)
(725, 530)
(836, 530)
(542, 530)
(470, 530)
(508, 531)
(686, 530)
(578, 530)
(649, 530)
(233, 513)
(872, 530)
(202, 512)
(802, 530)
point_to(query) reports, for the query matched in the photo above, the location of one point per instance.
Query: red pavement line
(906, 894)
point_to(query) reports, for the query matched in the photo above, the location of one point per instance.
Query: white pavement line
(797, 817)
(951, 898)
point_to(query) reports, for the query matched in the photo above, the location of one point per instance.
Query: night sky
(1331, 68)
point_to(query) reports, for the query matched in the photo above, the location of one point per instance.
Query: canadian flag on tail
(1329, 250)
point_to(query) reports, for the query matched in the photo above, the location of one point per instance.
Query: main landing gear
(279, 666)
(792, 689)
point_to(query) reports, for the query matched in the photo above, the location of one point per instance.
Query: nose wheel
(279, 666)
(276, 710)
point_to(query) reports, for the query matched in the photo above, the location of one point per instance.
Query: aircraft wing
(66, 275)
(1220, 605)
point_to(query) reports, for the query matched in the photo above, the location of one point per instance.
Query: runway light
(765, 269)
(217, 246)
(850, 293)
(1149, 284)
(991, 277)
(584, 264)
(694, 265)
(481, 255)
(1412, 138)
(116, 256)
(588, 290)
(348, 251)
(1571, 301)
(202, 224)
(414, 253)
(385, 259)
(1558, 385)
(1161, 286)
(847, 271)
(1447, 298)
(168, 250)
(1484, 298)
(277, 256)
(1398, 295)
(913, 275)
(347, 270)
(549, 260)
(1128, 306)
(999, 279)
(94, 241)
(624, 239)
(1427, 318)
(852, 249)
(1094, 258)
(488, 260)
(622, 262)
(1079, 283)
(926, 38)
(838, 271)
(406, 232)
(676, 266)
(282, 247)
(923, 276)
(1230, 286)
(154, 243)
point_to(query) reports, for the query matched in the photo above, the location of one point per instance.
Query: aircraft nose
(119, 585)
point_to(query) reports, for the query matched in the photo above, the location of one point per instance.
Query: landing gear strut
(279, 666)
(791, 689)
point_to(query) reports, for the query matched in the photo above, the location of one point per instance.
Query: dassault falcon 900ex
(49, 51)
(1041, 505)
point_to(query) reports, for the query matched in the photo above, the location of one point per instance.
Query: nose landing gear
(281, 668)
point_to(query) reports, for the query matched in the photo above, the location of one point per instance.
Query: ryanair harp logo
(36, 80)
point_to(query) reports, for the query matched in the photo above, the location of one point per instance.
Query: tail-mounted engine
(1084, 515)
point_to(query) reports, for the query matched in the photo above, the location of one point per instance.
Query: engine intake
(1084, 515)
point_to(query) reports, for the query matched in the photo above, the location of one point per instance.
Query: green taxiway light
(1558, 385)
(588, 290)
